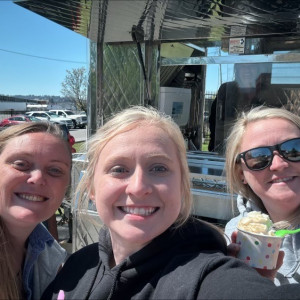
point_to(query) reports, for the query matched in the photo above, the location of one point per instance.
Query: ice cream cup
(258, 251)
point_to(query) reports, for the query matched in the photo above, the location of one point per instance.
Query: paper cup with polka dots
(258, 251)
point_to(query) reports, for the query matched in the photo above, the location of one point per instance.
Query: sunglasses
(259, 158)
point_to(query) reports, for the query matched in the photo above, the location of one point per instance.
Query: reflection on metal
(122, 78)
(168, 74)
(116, 76)
(259, 58)
(176, 50)
(86, 228)
(138, 37)
(170, 19)
(72, 14)
(94, 111)
(209, 184)
(209, 204)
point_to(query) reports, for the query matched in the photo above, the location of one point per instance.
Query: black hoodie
(184, 263)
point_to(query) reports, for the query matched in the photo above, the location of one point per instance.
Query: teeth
(138, 211)
(282, 180)
(34, 198)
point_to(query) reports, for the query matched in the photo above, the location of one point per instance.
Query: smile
(33, 198)
(282, 180)
(140, 211)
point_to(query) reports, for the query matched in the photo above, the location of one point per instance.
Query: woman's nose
(36, 177)
(139, 184)
(278, 162)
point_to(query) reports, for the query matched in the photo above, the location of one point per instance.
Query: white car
(51, 117)
(78, 120)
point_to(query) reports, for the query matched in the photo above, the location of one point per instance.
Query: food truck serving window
(250, 85)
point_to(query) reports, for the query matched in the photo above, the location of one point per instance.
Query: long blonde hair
(10, 285)
(126, 120)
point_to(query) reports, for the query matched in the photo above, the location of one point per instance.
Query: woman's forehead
(268, 132)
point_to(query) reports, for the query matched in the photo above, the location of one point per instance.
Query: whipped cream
(257, 222)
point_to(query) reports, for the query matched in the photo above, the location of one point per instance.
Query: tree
(74, 88)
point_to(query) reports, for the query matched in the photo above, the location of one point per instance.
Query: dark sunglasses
(261, 157)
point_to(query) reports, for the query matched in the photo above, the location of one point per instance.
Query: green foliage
(78, 146)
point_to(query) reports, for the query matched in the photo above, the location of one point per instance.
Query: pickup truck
(79, 121)
(49, 116)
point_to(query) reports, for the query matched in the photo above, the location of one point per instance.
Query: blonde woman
(263, 168)
(150, 247)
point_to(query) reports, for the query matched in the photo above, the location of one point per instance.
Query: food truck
(196, 60)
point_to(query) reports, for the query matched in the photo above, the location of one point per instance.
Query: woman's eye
(56, 172)
(20, 165)
(159, 169)
(118, 170)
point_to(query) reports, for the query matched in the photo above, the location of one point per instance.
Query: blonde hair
(10, 287)
(127, 120)
(233, 143)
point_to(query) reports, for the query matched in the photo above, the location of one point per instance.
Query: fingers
(233, 237)
(233, 249)
(279, 260)
(271, 274)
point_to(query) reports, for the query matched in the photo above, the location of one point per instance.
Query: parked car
(17, 119)
(51, 117)
(78, 120)
(68, 136)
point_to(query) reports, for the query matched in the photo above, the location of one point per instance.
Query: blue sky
(25, 36)
(25, 32)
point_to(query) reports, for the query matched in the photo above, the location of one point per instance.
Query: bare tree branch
(74, 87)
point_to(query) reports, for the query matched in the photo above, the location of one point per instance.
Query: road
(79, 134)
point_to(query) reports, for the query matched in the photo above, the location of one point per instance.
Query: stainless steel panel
(122, 78)
(259, 58)
(86, 228)
(111, 21)
(214, 205)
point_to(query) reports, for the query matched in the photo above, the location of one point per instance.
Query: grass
(78, 146)
(204, 147)
(205, 144)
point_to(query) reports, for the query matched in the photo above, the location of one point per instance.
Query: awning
(111, 21)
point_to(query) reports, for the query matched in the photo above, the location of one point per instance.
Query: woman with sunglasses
(262, 167)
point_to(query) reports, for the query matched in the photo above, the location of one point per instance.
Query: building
(13, 105)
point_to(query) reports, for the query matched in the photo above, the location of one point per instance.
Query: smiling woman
(36, 161)
(150, 247)
(145, 195)
(262, 166)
